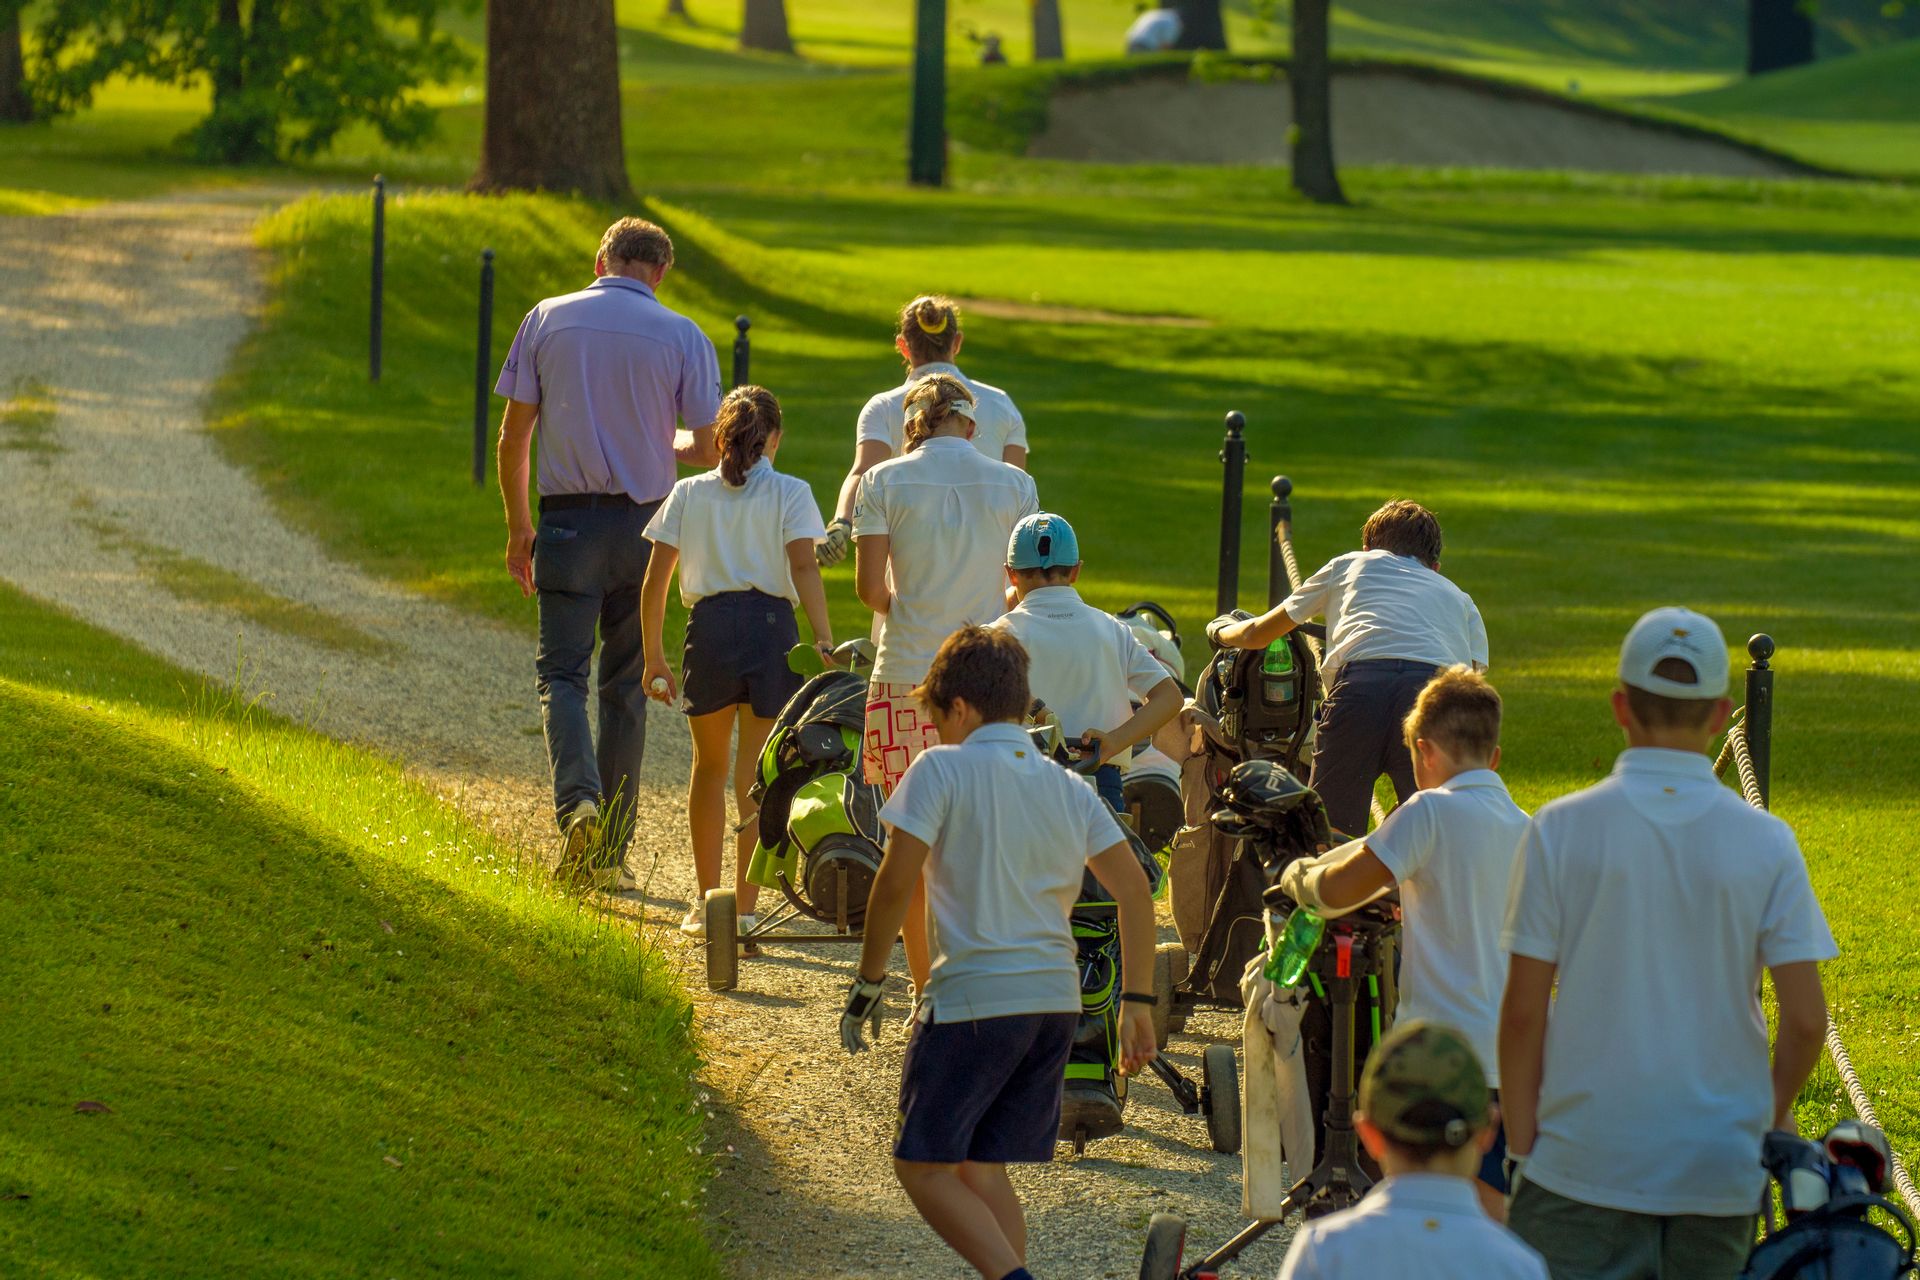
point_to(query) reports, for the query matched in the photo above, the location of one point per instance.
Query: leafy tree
(14, 103)
(764, 26)
(553, 99)
(1779, 34)
(287, 75)
(1047, 41)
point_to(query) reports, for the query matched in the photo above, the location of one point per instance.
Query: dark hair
(1459, 712)
(930, 326)
(1406, 529)
(749, 417)
(984, 665)
(1657, 711)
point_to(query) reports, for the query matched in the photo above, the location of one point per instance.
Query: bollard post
(1280, 583)
(1233, 452)
(482, 366)
(1759, 724)
(379, 276)
(742, 350)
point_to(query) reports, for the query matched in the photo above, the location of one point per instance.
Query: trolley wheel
(1221, 1079)
(1163, 992)
(723, 940)
(1166, 1241)
(1182, 966)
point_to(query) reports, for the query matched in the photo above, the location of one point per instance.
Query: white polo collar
(935, 366)
(938, 444)
(1473, 778)
(623, 282)
(1430, 1192)
(1664, 762)
(1058, 593)
(999, 731)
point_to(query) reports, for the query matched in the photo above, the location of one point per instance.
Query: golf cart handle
(1313, 631)
(1154, 611)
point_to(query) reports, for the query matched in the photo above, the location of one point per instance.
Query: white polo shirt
(1661, 896)
(1413, 1226)
(947, 511)
(1010, 833)
(1085, 663)
(1451, 847)
(997, 423)
(1380, 605)
(735, 539)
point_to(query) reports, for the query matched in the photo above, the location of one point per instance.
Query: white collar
(934, 366)
(1057, 593)
(1665, 762)
(999, 731)
(1438, 1192)
(1473, 778)
(939, 443)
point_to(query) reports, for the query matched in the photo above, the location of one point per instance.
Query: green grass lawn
(336, 1029)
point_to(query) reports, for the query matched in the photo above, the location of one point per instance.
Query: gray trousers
(1358, 737)
(588, 564)
(1586, 1242)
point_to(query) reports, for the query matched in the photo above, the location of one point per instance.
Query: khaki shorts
(1587, 1242)
(898, 730)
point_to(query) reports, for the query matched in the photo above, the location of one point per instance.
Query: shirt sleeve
(1301, 1262)
(664, 528)
(519, 376)
(699, 396)
(1309, 599)
(1794, 928)
(869, 512)
(1404, 842)
(875, 422)
(1533, 913)
(1016, 426)
(1029, 498)
(920, 803)
(1144, 671)
(800, 514)
(1476, 636)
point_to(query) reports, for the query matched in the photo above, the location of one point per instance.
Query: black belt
(583, 501)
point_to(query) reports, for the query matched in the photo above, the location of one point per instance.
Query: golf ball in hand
(659, 684)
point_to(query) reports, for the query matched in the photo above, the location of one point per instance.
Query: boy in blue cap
(1087, 667)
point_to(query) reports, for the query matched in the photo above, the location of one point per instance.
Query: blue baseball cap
(1042, 541)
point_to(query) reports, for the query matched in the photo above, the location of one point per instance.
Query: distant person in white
(928, 339)
(1154, 31)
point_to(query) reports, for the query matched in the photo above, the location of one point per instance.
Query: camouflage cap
(1424, 1086)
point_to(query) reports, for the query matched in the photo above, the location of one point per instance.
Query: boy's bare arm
(1118, 871)
(870, 571)
(887, 902)
(1255, 633)
(1523, 1048)
(1162, 705)
(1803, 1028)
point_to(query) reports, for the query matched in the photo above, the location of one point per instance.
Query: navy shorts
(1493, 1165)
(1112, 786)
(736, 652)
(986, 1091)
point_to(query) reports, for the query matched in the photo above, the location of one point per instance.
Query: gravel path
(126, 314)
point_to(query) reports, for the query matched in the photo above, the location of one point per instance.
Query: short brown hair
(1406, 529)
(637, 240)
(930, 326)
(984, 665)
(1458, 712)
(1657, 711)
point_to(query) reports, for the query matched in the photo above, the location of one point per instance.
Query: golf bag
(1152, 787)
(819, 823)
(1827, 1189)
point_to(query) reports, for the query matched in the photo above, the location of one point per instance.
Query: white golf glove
(832, 549)
(1301, 882)
(866, 1004)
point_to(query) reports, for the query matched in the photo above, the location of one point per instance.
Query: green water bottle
(1278, 687)
(1299, 939)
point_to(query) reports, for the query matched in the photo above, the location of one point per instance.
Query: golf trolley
(1270, 810)
(820, 841)
(1827, 1189)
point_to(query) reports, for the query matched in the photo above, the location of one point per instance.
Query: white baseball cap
(1675, 633)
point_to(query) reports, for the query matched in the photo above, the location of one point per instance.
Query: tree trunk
(677, 8)
(14, 103)
(226, 52)
(764, 27)
(1310, 77)
(927, 128)
(1779, 34)
(1201, 26)
(553, 100)
(1047, 42)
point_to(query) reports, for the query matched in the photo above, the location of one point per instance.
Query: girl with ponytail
(928, 339)
(741, 537)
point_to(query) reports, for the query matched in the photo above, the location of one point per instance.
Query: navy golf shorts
(736, 652)
(986, 1091)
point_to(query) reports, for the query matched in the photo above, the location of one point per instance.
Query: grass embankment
(330, 1027)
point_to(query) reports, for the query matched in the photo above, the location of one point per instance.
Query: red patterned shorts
(897, 731)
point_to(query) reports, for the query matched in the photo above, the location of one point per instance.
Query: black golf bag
(1827, 1189)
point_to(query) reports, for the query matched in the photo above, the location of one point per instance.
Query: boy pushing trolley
(1002, 835)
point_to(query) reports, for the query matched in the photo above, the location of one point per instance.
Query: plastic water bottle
(1278, 685)
(1299, 939)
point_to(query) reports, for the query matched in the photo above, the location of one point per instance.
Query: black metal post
(927, 130)
(379, 275)
(1279, 516)
(742, 350)
(1759, 725)
(482, 366)
(1234, 454)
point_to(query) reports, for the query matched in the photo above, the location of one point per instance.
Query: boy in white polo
(1638, 1093)
(1427, 1116)
(1002, 836)
(1450, 849)
(1087, 666)
(1392, 622)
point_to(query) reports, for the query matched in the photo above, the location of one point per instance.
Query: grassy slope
(340, 1033)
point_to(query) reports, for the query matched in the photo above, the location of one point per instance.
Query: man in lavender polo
(609, 376)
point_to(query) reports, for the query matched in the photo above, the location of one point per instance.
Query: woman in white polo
(928, 339)
(930, 533)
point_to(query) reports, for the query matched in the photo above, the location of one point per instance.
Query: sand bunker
(1381, 116)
